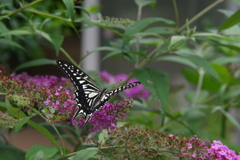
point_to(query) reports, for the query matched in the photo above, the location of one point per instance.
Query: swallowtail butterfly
(88, 96)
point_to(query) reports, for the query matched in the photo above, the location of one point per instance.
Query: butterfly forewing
(88, 96)
(86, 89)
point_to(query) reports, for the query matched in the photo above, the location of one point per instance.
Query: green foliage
(40, 152)
(210, 59)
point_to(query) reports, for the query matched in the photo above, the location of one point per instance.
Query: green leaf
(176, 40)
(160, 30)
(194, 116)
(102, 136)
(231, 94)
(83, 10)
(3, 105)
(155, 81)
(139, 26)
(35, 151)
(229, 116)
(226, 60)
(110, 54)
(21, 123)
(33, 63)
(138, 107)
(44, 131)
(57, 41)
(8, 152)
(11, 43)
(237, 1)
(111, 26)
(85, 154)
(190, 95)
(226, 12)
(178, 59)
(150, 41)
(201, 63)
(231, 21)
(209, 83)
(207, 35)
(138, 53)
(14, 111)
(4, 5)
(38, 156)
(70, 8)
(231, 47)
(4, 17)
(3, 28)
(16, 32)
(143, 3)
(223, 73)
(104, 48)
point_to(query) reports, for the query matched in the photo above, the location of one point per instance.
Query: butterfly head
(83, 114)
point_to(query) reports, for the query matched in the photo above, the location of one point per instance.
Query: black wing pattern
(88, 96)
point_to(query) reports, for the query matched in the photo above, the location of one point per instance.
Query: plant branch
(21, 9)
(200, 14)
(176, 13)
(199, 86)
(68, 56)
(62, 150)
(138, 37)
(48, 15)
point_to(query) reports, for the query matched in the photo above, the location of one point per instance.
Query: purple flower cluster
(48, 92)
(136, 92)
(105, 117)
(47, 81)
(61, 104)
(218, 151)
(7, 121)
(200, 150)
(57, 103)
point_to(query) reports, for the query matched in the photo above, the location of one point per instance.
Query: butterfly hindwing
(88, 96)
(108, 94)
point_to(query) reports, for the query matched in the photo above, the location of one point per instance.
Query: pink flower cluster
(135, 92)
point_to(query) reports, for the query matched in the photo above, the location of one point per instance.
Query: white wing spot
(81, 82)
(92, 94)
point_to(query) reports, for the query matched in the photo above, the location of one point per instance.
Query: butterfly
(88, 96)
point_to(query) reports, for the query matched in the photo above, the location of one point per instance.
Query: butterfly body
(88, 96)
